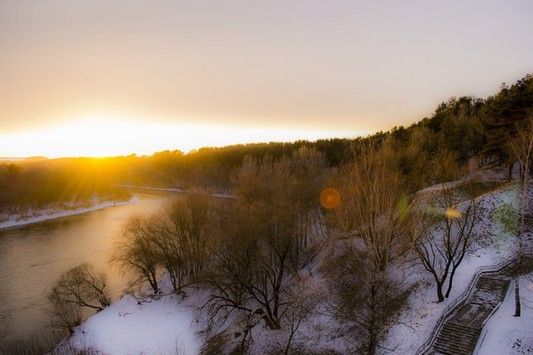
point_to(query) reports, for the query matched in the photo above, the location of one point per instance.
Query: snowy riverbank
(176, 190)
(17, 220)
(34, 216)
(158, 326)
(168, 325)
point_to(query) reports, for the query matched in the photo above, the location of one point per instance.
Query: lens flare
(403, 207)
(330, 198)
(452, 213)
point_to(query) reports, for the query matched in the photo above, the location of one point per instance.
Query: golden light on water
(330, 198)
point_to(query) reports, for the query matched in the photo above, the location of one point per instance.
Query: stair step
(444, 343)
(452, 350)
(455, 335)
(455, 338)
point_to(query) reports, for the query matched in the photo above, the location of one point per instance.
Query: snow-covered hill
(167, 325)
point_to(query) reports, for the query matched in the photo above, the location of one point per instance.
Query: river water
(34, 256)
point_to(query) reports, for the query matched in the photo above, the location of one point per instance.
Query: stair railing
(528, 251)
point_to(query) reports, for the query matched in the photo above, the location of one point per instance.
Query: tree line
(258, 255)
(459, 130)
(67, 182)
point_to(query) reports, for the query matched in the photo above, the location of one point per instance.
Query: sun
(91, 136)
(97, 136)
(105, 135)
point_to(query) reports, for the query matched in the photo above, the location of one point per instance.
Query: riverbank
(176, 190)
(119, 328)
(17, 220)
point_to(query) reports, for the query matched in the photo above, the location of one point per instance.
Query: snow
(169, 189)
(129, 326)
(177, 190)
(417, 322)
(506, 334)
(9, 221)
(168, 326)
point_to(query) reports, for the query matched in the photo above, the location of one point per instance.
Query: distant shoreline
(48, 214)
(172, 189)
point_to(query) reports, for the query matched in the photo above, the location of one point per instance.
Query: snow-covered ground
(166, 326)
(7, 221)
(160, 326)
(418, 320)
(495, 245)
(506, 334)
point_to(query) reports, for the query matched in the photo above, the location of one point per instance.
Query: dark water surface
(33, 257)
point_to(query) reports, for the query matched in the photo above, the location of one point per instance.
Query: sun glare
(100, 136)
(330, 198)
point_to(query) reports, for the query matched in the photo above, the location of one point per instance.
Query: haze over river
(34, 256)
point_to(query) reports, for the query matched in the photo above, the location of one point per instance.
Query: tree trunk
(372, 341)
(153, 283)
(450, 283)
(440, 296)
(288, 346)
(272, 322)
(517, 296)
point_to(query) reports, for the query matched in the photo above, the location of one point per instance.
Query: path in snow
(460, 331)
(461, 326)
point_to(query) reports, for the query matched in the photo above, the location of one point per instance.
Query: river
(34, 256)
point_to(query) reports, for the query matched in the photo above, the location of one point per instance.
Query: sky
(110, 77)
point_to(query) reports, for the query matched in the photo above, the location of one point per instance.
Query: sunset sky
(108, 77)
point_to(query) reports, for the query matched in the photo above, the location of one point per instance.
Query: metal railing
(463, 296)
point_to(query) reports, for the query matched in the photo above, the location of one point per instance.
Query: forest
(459, 131)
(342, 211)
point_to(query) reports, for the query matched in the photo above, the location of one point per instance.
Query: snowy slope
(506, 334)
(166, 326)
(161, 326)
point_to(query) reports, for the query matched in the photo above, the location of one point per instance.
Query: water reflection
(34, 256)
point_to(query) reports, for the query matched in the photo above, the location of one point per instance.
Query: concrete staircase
(460, 332)
(455, 339)
(519, 269)
(457, 331)
(461, 328)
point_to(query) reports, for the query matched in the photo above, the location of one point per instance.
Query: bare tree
(372, 200)
(268, 237)
(443, 234)
(521, 148)
(251, 270)
(371, 215)
(303, 304)
(182, 239)
(136, 252)
(168, 252)
(76, 289)
(81, 286)
(366, 302)
(67, 316)
(188, 223)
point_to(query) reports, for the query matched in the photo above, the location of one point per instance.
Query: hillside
(465, 130)
(340, 246)
(167, 324)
